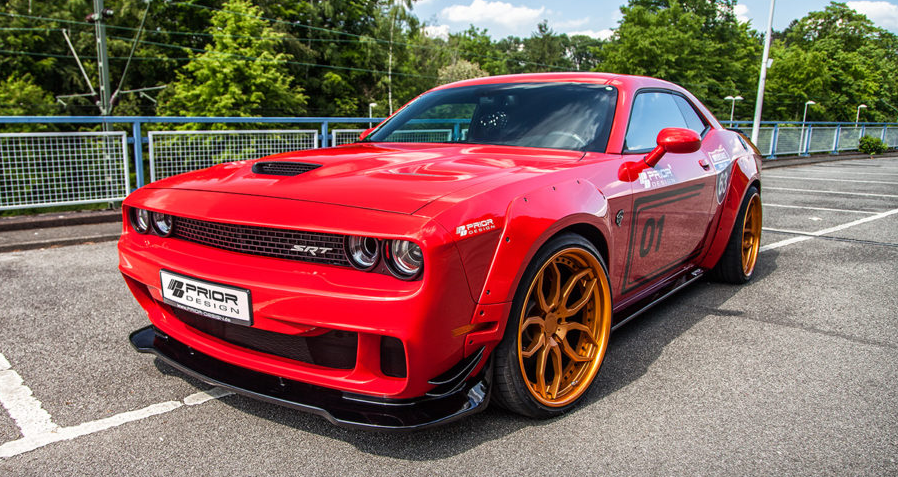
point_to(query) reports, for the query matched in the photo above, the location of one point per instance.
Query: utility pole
(98, 19)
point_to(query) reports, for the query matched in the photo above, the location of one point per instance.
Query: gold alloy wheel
(751, 235)
(564, 326)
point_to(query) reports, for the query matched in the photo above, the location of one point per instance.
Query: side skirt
(667, 289)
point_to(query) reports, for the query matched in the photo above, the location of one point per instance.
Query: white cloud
(481, 11)
(437, 31)
(741, 12)
(599, 35)
(884, 14)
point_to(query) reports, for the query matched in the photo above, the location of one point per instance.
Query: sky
(596, 18)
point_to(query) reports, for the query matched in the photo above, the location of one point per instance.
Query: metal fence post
(324, 138)
(806, 147)
(836, 139)
(138, 152)
(774, 137)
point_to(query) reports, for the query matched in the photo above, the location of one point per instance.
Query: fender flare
(532, 219)
(746, 173)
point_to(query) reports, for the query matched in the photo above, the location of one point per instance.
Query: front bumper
(341, 408)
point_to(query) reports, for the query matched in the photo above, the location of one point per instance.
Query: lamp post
(804, 118)
(370, 113)
(733, 106)
(858, 117)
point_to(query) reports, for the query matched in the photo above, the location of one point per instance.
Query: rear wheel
(558, 330)
(741, 255)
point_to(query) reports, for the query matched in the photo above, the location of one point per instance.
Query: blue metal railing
(41, 155)
(797, 138)
(137, 139)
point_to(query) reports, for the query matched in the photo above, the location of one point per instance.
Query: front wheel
(557, 332)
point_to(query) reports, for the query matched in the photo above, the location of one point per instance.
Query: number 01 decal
(644, 263)
(649, 237)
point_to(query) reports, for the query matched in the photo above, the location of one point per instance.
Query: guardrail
(796, 138)
(62, 168)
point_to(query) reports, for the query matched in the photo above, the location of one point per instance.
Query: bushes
(872, 145)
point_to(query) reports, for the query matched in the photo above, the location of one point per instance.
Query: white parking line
(834, 171)
(35, 441)
(864, 194)
(827, 179)
(21, 405)
(837, 228)
(818, 208)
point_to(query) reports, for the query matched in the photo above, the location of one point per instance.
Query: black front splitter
(341, 408)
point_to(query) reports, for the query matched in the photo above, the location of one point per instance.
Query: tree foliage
(334, 57)
(239, 74)
(698, 44)
(839, 59)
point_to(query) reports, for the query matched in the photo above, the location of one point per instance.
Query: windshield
(571, 116)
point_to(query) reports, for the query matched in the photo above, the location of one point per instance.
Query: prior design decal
(722, 164)
(650, 178)
(475, 228)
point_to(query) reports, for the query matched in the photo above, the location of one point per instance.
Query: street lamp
(370, 113)
(804, 119)
(733, 106)
(858, 117)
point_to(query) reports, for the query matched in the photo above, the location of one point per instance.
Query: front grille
(334, 349)
(283, 168)
(269, 242)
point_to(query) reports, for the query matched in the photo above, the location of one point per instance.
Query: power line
(328, 30)
(160, 58)
(359, 38)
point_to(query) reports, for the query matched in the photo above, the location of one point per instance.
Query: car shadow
(632, 350)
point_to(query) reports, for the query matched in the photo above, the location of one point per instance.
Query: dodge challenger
(479, 245)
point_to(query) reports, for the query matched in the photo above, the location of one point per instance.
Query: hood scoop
(283, 168)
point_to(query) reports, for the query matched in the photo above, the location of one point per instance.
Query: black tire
(739, 259)
(567, 329)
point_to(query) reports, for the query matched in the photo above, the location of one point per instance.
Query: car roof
(628, 82)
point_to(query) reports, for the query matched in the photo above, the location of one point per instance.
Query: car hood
(389, 177)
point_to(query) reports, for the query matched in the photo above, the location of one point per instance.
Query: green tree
(838, 58)
(698, 44)
(239, 74)
(547, 50)
(460, 70)
(20, 96)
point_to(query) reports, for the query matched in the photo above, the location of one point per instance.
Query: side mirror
(366, 132)
(675, 140)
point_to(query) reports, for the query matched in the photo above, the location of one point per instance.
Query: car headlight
(405, 259)
(140, 220)
(363, 252)
(162, 224)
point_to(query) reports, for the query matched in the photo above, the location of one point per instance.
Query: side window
(651, 113)
(693, 120)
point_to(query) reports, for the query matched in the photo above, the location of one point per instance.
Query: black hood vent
(283, 168)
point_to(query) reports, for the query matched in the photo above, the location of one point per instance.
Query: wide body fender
(746, 172)
(531, 220)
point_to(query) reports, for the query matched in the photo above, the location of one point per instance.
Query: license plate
(213, 300)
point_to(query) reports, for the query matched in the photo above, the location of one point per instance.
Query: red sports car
(482, 242)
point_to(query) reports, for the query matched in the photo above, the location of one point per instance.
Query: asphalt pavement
(791, 374)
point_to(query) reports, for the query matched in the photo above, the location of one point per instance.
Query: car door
(672, 202)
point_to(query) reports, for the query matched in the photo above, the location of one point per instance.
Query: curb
(59, 219)
(52, 243)
(820, 158)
